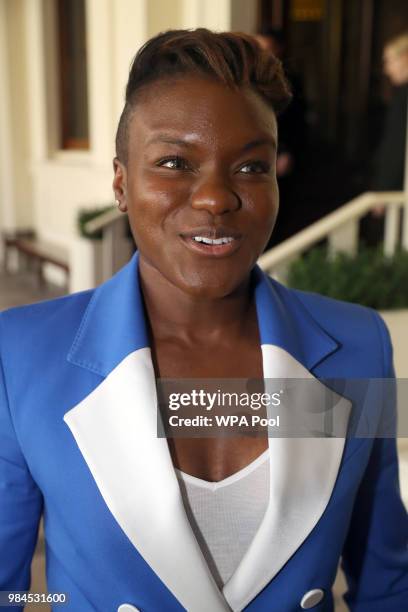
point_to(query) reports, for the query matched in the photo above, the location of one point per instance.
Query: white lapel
(303, 472)
(115, 428)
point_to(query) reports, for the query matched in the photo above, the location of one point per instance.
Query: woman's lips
(210, 247)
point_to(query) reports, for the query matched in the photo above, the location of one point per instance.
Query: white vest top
(226, 515)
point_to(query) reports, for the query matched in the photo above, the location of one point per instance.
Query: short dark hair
(234, 58)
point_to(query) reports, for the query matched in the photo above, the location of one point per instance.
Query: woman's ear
(120, 184)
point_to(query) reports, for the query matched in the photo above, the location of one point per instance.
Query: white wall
(7, 213)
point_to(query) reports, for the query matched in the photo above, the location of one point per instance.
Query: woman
(124, 526)
(388, 163)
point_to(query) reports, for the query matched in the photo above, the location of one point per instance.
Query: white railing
(341, 228)
(103, 221)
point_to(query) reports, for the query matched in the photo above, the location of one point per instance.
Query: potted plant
(369, 278)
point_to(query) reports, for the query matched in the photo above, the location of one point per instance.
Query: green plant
(369, 278)
(87, 214)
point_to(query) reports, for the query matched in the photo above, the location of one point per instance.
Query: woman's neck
(173, 312)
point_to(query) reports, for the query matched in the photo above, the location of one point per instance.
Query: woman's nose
(217, 197)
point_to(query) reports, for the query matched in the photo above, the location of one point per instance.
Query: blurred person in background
(292, 134)
(389, 160)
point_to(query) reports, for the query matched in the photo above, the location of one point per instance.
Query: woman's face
(200, 183)
(396, 66)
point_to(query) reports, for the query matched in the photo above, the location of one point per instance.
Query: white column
(392, 215)
(115, 31)
(344, 239)
(84, 262)
(405, 215)
(129, 33)
(99, 39)
(192, 14)
(7, 216)
(37, 104)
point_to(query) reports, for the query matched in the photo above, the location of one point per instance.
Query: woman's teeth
(225, 240)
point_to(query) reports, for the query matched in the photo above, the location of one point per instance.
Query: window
(72, 67)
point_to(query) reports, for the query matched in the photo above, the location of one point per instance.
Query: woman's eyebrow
(258, 143)
(178, 141)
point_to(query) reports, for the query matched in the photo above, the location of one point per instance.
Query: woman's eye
(176, 163)
(179, 163)
(261, 167)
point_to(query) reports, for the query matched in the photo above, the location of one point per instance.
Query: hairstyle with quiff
(233, 58)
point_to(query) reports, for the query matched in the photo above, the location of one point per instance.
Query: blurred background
(342, 228)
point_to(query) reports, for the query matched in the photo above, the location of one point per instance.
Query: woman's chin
(204, 285)
(208, 281)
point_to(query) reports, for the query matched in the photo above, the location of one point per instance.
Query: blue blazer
(78, 441)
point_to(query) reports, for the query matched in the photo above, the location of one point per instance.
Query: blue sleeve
(375, 555)
(20, 504)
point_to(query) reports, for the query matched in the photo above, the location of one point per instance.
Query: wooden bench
(35, 251)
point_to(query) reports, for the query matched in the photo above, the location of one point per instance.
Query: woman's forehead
(194, 105)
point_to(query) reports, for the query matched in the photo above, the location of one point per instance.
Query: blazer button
(128, 608)
(311, 598)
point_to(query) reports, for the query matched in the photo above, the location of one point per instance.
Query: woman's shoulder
(48, 318)
(358, 329)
